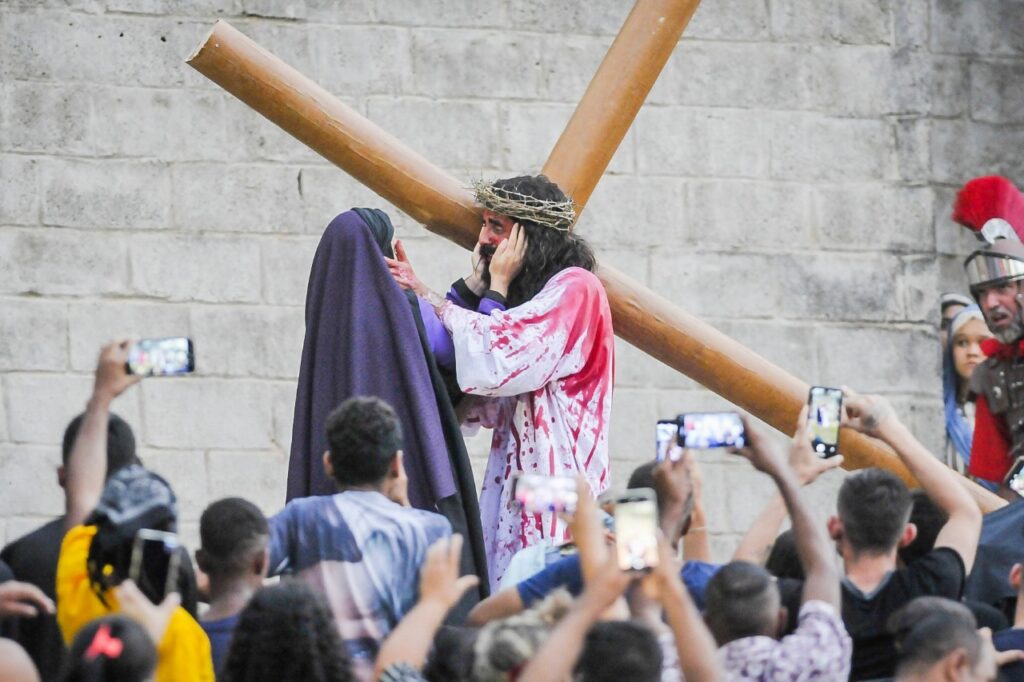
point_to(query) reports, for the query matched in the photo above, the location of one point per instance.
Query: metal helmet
(993, 208)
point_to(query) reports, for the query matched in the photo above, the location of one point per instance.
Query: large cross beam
(444, 206)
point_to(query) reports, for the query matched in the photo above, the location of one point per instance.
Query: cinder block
(286, 268)
(996, 95)
(108, 193)
(862, 81)
(359, 60)
(634, 413)
(960, 148)
(951, 238)
(283, 407)
(327, 191)
(950, 96)
(530, 130)
(39, 406)
(275, 9)
(632, 262)
(46, 117)
(185, 471)
(701, 142)
(257, 476)
(62, 262)
(33, 335)
(757, 491)
(810, 147)
(449, 134)
(91, 324)
(4, 434)
(913, 150)
(208, 8)
(237, 198)
(203, 268)
(566, 16)
(568, 65)
(476, 64)
(730, 20)
(860, 22)
(841, 286)
(742, 215)
(20, 464)
(873, 217)
(719, 284)
(452, 13)
(19, 190)
(103, 48)
(920, 285)
(910, 24)
(250, 137)
(627, 210)
(761, 75)
(872, 358)
(169, 125)
(192, 412)
(248, 341)
(867, 22)
(976, 28)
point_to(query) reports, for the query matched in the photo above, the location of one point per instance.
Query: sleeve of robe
(520, 350)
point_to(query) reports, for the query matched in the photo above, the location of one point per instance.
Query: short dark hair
(783, 560)
(741, 600)
(874, 506)
(619, 650)
(363, 435)
(286, 632)
(120, 443)
(135, 661)
(230, 532)
(929, 519)
(928, 629)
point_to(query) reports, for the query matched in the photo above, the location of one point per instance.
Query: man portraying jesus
(529, 333)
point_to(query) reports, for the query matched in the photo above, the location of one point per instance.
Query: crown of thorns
(559, 215)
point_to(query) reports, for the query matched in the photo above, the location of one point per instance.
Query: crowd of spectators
(367, 583)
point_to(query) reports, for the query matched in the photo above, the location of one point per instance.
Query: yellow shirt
(184, 651)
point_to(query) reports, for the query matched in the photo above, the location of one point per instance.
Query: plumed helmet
(993, 208)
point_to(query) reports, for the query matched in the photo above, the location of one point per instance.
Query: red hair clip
(104, 645)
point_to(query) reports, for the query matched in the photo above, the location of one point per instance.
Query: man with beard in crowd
(529, 335)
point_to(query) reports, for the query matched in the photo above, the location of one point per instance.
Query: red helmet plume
(991, 198)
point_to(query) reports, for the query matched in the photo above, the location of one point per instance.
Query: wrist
(475, 284)
(499, 285)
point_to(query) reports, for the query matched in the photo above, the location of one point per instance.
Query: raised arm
(87, 465)
(440, 589)
(874, 416)
(812, 545)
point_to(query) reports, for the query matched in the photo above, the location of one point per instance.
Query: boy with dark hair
(234, 536)
(743, 603)
(361, 546)
(33, 557)
(871, 525)
(938, 640)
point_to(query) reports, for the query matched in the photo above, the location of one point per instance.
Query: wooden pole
(439, 201)
(615, 95)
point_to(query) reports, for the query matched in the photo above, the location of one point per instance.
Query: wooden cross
(443, 204)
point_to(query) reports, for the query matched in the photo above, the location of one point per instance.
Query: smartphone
(162, 357)
(154, 563)
(1015, 477)
(825, 410)
(636, 530)
(537, 493)
(665, 436)
(704, 430)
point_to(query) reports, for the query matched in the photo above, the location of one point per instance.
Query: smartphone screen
(824, 413)
(1015, 477)
(636, 530)
(154, 563)
(162, 357)
(536, 493)
(665, 435)
(712, 430)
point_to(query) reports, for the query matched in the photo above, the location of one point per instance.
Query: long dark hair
(286, 634)
(549, 251)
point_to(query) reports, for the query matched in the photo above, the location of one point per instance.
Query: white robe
(540, 375)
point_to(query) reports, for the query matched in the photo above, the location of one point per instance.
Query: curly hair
(363, 435)
(503, 646)
(549, 251)
(286, 634)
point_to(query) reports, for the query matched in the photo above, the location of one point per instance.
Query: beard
(486, 253)
(1010, 333)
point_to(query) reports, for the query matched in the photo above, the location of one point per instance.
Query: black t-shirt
(940, 573)
(1007, 640)
(33, 559)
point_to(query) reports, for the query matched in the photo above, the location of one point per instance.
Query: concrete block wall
(789, 180)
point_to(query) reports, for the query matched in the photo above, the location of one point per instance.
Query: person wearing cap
(101, 520)
(949, 305)
(994, 209)
(961, 355)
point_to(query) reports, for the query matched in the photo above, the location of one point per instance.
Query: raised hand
(23, 599)
(439, 578)
(806, 464)
(507, 260)
(866, 413)
(402, 271)
(112, 376)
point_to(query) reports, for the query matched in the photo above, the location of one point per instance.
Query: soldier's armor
(1001, 381)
